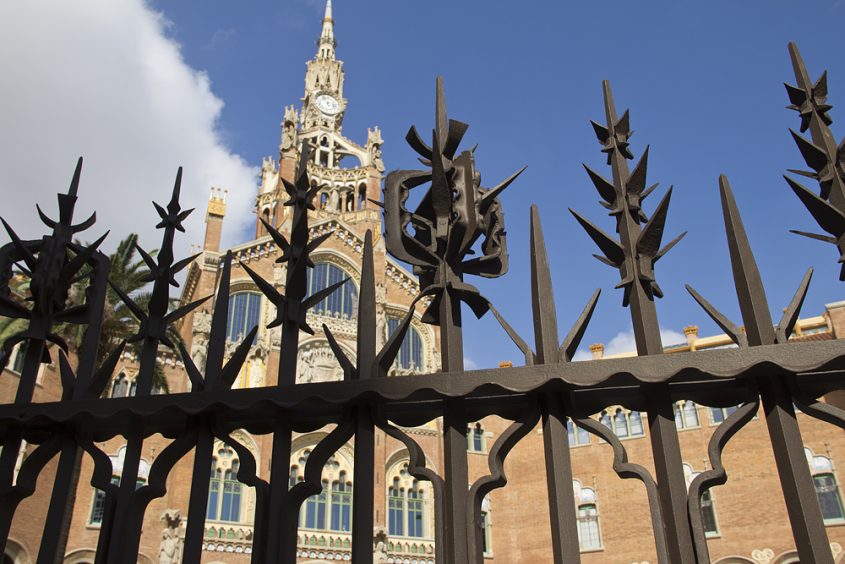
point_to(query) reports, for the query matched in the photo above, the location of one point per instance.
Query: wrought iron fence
(454, 215)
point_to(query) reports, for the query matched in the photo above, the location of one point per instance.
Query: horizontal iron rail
(711, 377)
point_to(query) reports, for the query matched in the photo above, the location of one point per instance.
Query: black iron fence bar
(456, 214)
(60, 510)
(818, 366)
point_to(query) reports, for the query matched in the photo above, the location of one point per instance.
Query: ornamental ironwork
(455, 229)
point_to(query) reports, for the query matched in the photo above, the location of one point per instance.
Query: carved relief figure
(380, 548)
(317, 363)
(289, 129)
(381, 328)
(170, 550)
(256, 373)
(374, 143)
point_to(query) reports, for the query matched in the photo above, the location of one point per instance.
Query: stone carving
(380, 546)
(381, 292)
(289, 129)
(764, 556)
(374, 143)
(199, 344)
(381, 327)
(317, 363)
(256, 374)
(199, 349)
(269, 176)
(202, 322)
(172, 538)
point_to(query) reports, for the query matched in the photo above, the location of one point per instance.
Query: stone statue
(382, 333)
(374, 143)
(172, 540)
(380, 546)
(375, 155)
(199, 348)
(202, 322)
(289, 129)
(256, 374)
(288, 136)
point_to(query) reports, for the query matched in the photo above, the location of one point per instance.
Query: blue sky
(703, 81)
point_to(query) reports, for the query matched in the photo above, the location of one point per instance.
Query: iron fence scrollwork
(456, 229)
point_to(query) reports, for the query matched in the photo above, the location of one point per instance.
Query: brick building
(746, 519)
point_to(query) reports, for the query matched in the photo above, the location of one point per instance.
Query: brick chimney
(214, 219)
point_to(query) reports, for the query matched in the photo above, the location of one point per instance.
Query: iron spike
(756, 315)
(570, 344)
(489, 197)
(366, 312)
(609, 246)
(734, 332)
(791, 312)
(542, 296)
(219, 319)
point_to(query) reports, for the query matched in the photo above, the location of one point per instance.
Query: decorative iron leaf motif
(52, 264)
(638, 249)
(822, 155)
(453, 215)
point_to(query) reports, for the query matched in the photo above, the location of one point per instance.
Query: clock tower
(348, 173)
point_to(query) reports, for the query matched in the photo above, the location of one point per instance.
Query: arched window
(230, 509)
(98, 505)
(636, 422)
(243, 314)
(415, 511)
(315, 509)
(708, 509)
(686, 415)
(827, 489)
(266, 215)
(411, 353)
(395, 509)
(98, 509)
(577, 435)
(719, 414)
(407, 503)
(620, 424)
(605, 420)
(486, 544)
(708, 515)
(362, 196)
(475, 438)
(18, 356)
(343, 302)
(342, 504)
(589, 531)
(331, 509)
(120, 388)
(224, 489)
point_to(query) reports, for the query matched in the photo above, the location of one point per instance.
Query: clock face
(327, 104)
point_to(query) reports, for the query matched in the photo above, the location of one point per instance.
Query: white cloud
(624, 342)
(101, 79)
(470, 364)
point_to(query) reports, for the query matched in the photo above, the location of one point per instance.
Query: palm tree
(126, 271)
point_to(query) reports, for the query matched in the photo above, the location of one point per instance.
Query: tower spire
(327, 43)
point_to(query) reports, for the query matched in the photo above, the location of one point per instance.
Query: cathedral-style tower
(349, 174)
